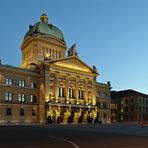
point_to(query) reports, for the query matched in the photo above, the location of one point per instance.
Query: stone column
(93, 90)
(42, 113)
(56, 87)
(47, 85)
(67, 88)
(77, 89)
(86, 90)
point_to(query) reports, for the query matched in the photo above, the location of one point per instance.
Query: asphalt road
(73, 136)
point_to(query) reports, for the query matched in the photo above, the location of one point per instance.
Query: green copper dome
(43, 28)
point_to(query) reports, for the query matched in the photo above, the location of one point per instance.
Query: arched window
(104, 105)
(81, 92)
(33, 112)
(71, 91)
(21, 112)
(8, 111)
(61, 90)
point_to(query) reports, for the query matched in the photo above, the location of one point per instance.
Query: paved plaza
(73, 136)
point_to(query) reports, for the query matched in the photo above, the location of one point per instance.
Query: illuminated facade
(103, 102)
(48, 86)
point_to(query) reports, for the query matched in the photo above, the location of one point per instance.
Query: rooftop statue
(73, 50)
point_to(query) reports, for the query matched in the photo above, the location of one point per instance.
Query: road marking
(62, 139)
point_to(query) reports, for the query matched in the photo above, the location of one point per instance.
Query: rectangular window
(132, 100)
(61, 92)
(21, 83)
(21, 112)
(104, 115)
(21, 98)
(81, 94)
(104, 105)
(33, 99)
(8, 111)
(126, 109)
(8, 96)
(71, 93)
(143, 101)
(132, 108)
(140, 100)
(9, 81)
(33, 85)
(139, 108)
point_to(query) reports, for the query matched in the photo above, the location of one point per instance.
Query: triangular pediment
(74, 63)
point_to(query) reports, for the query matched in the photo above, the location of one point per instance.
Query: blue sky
(110, 34)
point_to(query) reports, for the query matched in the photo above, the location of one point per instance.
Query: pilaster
(56, 87)
(67, 88)
(93, 92)
(77, 89)
(86, 90)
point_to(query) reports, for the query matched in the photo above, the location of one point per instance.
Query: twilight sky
(110, 34)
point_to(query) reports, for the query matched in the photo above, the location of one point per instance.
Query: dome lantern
(44, 18)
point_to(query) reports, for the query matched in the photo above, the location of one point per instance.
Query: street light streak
(63, 139)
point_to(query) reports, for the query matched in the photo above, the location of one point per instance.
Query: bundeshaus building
(52, 84)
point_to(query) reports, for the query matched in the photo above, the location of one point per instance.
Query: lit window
(21, 112)
(33, 85)
(121, 102)
(8, 96)
(8, 111)
(122, 110)
(33, 99)
(9, 81)
(21, 98)
(121, 118)
(21, 83)
(81, 93)
(71, 92)
(61, 90)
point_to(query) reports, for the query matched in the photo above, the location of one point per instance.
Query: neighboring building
(103, 99)
(130, 106)
(19, 97)
(48, 86)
